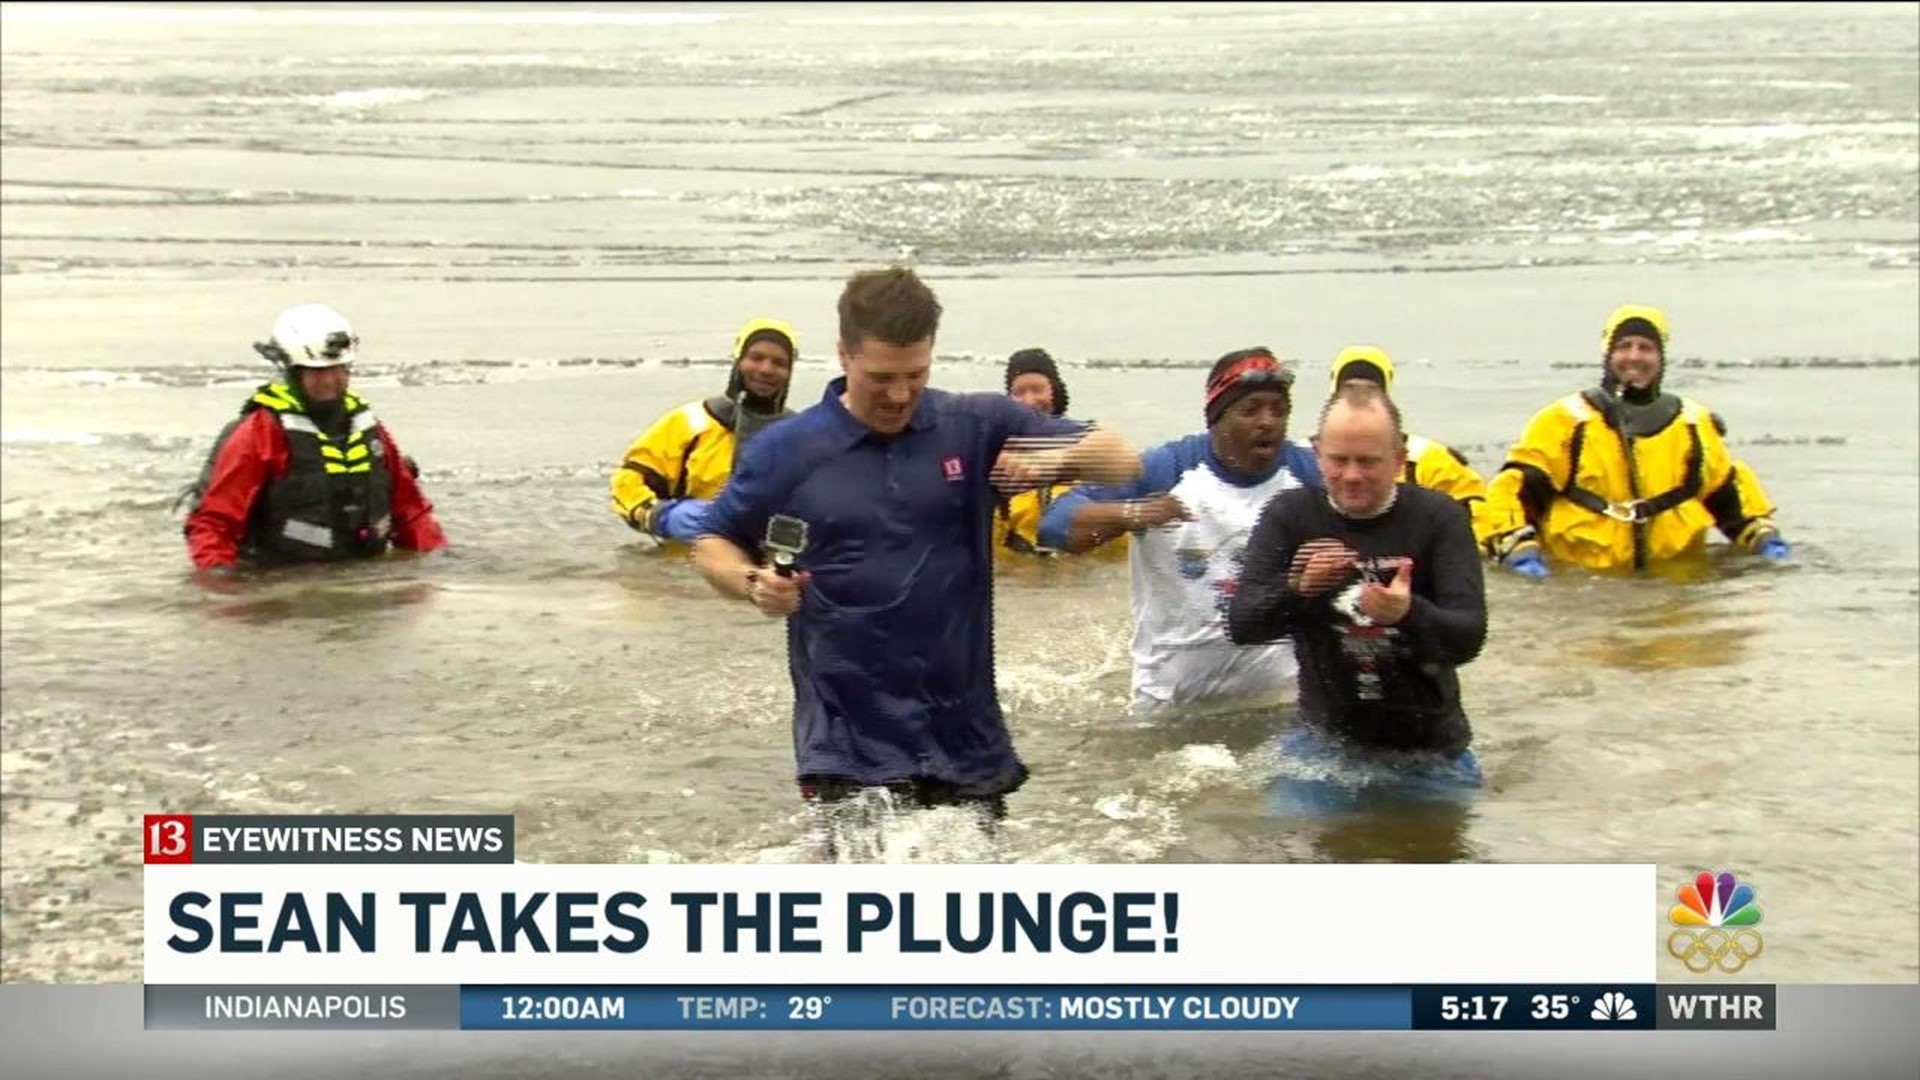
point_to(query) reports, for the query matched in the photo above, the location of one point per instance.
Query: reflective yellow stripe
(358, 449)
(279, 397)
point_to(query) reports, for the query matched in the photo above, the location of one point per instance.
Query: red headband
(1224, 381)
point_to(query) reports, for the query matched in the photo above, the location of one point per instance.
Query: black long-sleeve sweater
(1385, 686)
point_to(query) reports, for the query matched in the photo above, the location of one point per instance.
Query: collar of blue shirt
(923, 418)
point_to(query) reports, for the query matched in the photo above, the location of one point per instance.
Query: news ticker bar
(850, 1007)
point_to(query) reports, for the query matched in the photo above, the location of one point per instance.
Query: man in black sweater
(1378, 584)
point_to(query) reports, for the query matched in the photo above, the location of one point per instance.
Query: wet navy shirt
(891, 651)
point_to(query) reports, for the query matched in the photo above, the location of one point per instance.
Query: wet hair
(891, 305)
(1360, 395)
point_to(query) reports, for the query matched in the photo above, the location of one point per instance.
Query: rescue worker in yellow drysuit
(1623, 475)
(678, 465)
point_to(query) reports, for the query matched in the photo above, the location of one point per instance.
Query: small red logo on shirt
(955, 470)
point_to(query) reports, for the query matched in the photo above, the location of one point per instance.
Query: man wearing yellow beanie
(675, 468)
(1429, 464)
(1623, 474)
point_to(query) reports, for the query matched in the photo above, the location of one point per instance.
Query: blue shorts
(1320, 776)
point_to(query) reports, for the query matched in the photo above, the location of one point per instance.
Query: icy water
(546, 225)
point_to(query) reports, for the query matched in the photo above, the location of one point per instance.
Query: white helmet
(312, 335)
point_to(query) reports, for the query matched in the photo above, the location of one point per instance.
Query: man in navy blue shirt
(890, 640)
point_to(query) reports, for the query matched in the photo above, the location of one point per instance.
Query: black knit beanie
(1037, 362)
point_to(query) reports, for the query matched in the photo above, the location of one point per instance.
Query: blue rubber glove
(1527, 564)
(1773, 549)
(682, 519)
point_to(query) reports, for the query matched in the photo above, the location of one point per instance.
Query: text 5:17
(1472, 1007)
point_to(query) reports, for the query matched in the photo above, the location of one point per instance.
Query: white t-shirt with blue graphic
(1185, 574)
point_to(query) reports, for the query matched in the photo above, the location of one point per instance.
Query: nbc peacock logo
(1614, 1005)
(1714, 923)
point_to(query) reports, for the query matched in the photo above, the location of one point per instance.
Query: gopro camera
(786, 538)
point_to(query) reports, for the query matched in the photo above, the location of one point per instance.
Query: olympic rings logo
(1702, 951)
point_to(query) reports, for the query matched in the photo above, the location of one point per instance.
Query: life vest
(1608, 488)
(1640, 510)
(335, 501)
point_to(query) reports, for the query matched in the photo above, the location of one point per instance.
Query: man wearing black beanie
(1033, 380)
